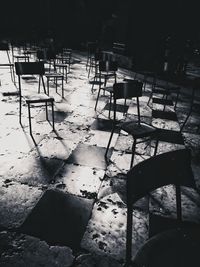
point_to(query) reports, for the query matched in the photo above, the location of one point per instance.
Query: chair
(164, 169)
(33, 68)
(91, 50)
(65, 58)
(192, 108)
(107, 70)
(55, 77)
(174, 247)
(5, 47)
(165, 90)
(49, 57)
(22, 58)
(63, 69)
(94, 63)
(137, 129)
(98, 56)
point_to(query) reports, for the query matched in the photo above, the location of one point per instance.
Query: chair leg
(53, 121)
(109, 142)
(97, 99)
(145, 82)
(20, 110)
(92, 89)
(110, 103)
(39, 85)
(62, 88)
(56, 81)
(178, 203)
(166, 97)
(43, 84)
(66, 75)
(46, 107)
(13, 75)
(150, 97)
(29, 117)
(48, 86)
(183, 125)
(89, 66)
(156, 146)
(105, 81)
(129, 228)
(177, 96)
(87, 62)
(133, 153)
(124, 112)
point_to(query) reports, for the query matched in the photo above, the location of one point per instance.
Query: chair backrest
(29, 68)
(108, 66)
(127, 90)
(173, 167)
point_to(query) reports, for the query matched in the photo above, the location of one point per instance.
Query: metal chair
(91, 50)
(175, 247)
(138, 129)
(107, 70)
(4, 46)
(192, 108)
(33, 68)
(64, 58)
(49, 57)
(166, 91)
(22, 58)
(99, 55)
(164, 169)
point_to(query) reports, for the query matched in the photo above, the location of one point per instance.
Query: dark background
(143, 25)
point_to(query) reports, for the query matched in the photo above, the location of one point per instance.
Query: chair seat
(21, 56)
(160, 91)
(63, 58)
(61, 65)
(174, 89)
(109, 89)
(53, 75)
(96, 82)
(174, 247)
(7, 65)
(38, 98)
(108, 74)
(138, 130)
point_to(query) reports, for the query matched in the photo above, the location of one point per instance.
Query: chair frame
(5, 47)
(191, 109)
(33, 68)
(126, 91)
(107, 70)
(152, 174)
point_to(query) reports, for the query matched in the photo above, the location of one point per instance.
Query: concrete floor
(60, 202)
